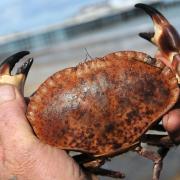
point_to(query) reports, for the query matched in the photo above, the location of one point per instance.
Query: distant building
(89, 18)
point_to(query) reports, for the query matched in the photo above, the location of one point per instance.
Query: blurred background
(62, 33)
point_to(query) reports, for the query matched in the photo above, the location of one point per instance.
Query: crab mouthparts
(19, 78)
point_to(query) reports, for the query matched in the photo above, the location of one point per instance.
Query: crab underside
(105, 106)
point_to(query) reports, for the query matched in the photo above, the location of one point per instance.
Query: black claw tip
(154, 13)
(12, 60)
(149, 9)
(24, 69)
(147, 36)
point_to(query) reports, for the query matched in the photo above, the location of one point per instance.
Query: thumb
(14, 128)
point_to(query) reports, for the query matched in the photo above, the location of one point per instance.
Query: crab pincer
(165, 37)
(18, 79)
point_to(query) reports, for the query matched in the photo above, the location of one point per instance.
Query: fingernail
(7, 93)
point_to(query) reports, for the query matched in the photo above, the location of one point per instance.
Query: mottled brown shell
(103, 106)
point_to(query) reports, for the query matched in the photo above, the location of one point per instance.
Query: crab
(104, 107)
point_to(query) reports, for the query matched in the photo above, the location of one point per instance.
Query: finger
(171, 123)
(14, 128)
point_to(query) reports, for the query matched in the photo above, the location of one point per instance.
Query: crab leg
(156, 157)
(165, 37)
(105, 172)
(83, 158)
(19, 78)
(158, 140)
(93, 165)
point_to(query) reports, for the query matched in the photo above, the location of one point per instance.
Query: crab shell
(103, 106)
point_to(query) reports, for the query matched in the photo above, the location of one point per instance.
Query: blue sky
(24, 15)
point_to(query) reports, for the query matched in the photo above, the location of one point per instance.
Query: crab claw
(24, 69)
(148, 36)
(8, 64)
(165, 37)
(19, 78)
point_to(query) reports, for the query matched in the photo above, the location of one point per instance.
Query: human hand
(171, 123)
(22, 155)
